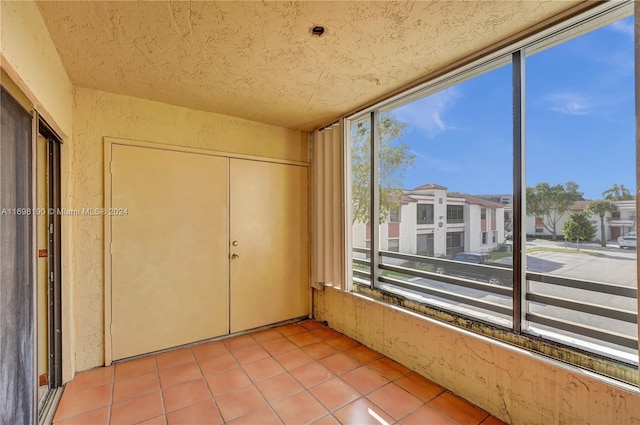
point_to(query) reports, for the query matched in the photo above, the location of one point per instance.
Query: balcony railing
(592, 316)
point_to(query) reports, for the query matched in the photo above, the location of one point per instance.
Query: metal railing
(416, 273)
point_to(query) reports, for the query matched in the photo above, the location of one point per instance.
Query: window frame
(583, 23)
(428, 220)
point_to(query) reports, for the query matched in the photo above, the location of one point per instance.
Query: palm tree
(617, 193)
(601, 207)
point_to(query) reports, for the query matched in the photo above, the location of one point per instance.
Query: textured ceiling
(259, 61)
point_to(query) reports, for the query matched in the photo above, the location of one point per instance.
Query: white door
(169, 254)
(269, 237)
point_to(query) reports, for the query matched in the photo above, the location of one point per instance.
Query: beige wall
(98, 114)
(512, 384)
(30, 59)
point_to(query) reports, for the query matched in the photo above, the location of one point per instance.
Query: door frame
(109, 142)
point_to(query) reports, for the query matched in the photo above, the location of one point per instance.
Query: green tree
(551, 203)
(617, 193)
(579, 228)
(395, 158)
(602, 207)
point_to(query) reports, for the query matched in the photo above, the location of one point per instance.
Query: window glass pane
(360, 198)
(445, 160)
(581, 218)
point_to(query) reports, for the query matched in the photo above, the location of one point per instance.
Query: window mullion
(519, 235)
(374, 216)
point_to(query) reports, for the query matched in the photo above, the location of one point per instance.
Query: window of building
(425, 213)
(455, 214)
(393, 245)
(578, 91)
(455, 243)
(394, 215)
(425, 245)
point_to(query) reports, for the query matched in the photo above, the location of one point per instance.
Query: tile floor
(294, 374)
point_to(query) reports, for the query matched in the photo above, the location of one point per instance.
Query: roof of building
(430, 186)
(474, 200)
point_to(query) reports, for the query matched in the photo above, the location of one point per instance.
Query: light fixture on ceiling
(317, 30)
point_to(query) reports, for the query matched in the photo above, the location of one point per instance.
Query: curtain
(17, 344)
(328, 206)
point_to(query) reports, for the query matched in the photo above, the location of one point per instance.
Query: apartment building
(433, 222)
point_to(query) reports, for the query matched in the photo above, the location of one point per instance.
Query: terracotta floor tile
(300, 408)
(326, 420)
(124, 389)
(339, 363)
(342, 343)
(266, 335)
(95, 417)
(158, 420)
(394, 400)
(263, 369)
(277, 346)
(364, 379)
(203, 413)
(264, 416)
(363, 412)
(388, 368)
(137, 409)
(326, 333)
(290, 329)
(419, 386)
(278, 387)
(312, 374)
(293, 359)
(458, 409)
(179, 374)
(208, 350)
(304, 338)
(239, 402)
(426, 415)
(228, 380)
(217, 364)
(334, 393)
(136, 367)
(249, 354)
(311, 324)
(320, 350)
(492, 420)
(83, 401)
(90, 378)
(363, 354)
(241, 341)
(186, 394)
(174, 358)
(293, 374)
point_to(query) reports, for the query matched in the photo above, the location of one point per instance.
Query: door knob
(234, 256)
(234, 243)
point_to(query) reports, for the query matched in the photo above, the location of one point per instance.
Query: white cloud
(624, 26)
(426, 114)
(569, 103)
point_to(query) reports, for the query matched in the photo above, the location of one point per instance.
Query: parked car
(477, 266)
(628, 241)
(508, 236)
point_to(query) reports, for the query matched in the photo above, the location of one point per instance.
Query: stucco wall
(98, 114)
(512, 384)
(30, 59)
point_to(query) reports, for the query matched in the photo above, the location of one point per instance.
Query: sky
(579, 121)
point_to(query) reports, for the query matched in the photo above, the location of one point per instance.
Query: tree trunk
(603, 242)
